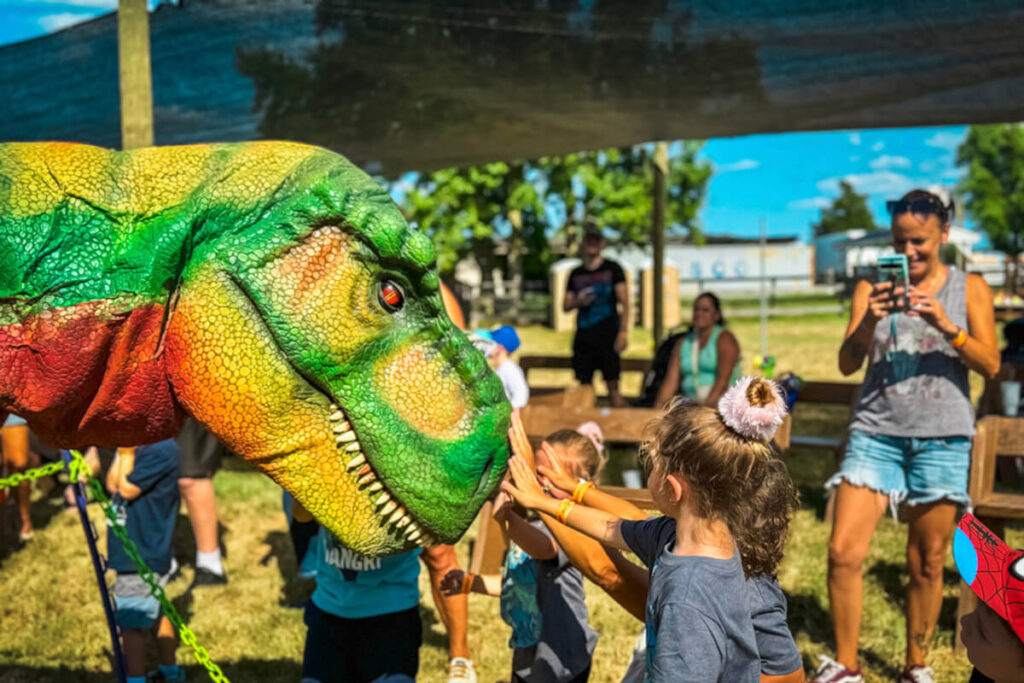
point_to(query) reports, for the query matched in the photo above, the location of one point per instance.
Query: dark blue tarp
(420, 84)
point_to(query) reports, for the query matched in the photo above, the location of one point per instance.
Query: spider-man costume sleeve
(993, 570)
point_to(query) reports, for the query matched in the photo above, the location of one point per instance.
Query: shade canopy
(420, 84)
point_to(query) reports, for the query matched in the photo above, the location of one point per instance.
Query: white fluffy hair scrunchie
(750, 421)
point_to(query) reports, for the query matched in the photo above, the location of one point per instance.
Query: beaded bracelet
(564, 508)
(960, 339)
(467, 582)
(581, 490)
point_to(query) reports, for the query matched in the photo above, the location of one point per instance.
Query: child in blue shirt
(144, 487)
(706, 468)
(363, 618)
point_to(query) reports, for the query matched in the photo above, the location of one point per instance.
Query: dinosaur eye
(391, 297)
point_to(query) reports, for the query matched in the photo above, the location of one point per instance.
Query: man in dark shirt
(596, 290)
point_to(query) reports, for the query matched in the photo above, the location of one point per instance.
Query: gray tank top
(916, 384)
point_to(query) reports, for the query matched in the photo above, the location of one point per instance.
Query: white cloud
(889, 161)
(854, 138)
(878, 182)
(946, 141)
(810, 203)
(878, 146)
(954, 174)
(741, 165)
(56, 22)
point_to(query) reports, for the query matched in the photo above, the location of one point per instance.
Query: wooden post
(136, 79)
(658, 237)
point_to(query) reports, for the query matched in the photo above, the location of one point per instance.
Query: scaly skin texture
(241, 283)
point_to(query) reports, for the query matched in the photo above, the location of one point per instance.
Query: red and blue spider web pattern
(994, 582)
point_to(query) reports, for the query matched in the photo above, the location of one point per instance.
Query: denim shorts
(134, 605)
(909, 469)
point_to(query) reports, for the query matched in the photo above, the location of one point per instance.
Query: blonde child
(541, 592)
(707, 467)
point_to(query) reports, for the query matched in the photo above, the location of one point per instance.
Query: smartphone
(893, 268)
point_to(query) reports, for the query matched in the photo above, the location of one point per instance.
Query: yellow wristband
(960, 339)
(581, 490)
(564, 508)
(467, 582)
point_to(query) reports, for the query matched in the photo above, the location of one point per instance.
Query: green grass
(52, 628)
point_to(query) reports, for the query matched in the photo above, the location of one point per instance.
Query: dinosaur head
(311, 338)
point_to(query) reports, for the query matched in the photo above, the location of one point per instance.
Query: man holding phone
(596, 290)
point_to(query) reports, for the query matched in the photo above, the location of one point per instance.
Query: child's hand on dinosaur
(518, 440)
(556, 473)
(524, 486)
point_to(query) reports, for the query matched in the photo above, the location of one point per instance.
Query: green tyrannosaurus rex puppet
(273, 291)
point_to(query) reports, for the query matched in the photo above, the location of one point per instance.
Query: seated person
(705, 361)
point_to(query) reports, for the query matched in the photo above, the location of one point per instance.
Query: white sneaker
(917, 674)
(832, 671)
(460, 670)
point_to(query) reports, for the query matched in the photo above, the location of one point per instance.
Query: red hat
(993, 570)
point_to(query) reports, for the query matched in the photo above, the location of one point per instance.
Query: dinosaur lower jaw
(389, 510)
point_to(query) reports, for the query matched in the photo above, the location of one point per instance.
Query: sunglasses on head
(921, 208)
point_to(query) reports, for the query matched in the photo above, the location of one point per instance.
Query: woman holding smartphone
(910, 434)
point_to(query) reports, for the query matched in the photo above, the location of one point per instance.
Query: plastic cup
(631, 479)
(1011, 397)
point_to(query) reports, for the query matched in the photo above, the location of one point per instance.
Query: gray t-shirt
(567, 641)
(774, 652)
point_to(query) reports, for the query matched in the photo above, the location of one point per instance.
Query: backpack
(659, 367)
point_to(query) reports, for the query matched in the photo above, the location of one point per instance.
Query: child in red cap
(994, 633)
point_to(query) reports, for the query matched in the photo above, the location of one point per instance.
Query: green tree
(994, 185)
(613, 188)
(849, 211)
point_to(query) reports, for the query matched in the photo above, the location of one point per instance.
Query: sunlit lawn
(52, 628)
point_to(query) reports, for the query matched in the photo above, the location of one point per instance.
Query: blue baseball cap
(507, 337)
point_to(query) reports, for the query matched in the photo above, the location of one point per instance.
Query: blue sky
(784, 179)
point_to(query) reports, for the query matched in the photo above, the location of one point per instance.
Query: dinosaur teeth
(337, 415)
(353, 447)
(367, 478)
(388, 507)
(427, 540)
(365, 469)
(342, 427)
(345, 436)
(356, 461)
(404, 521)
(384, 497)
(397, 515)
(414, 535)
(336, 408)
(375, 486)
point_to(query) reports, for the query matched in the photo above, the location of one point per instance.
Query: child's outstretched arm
(530, 539)
(585, 492)
(597, 524)
(623, 581)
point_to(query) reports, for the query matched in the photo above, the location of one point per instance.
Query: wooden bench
(818, 393)
(527, 363)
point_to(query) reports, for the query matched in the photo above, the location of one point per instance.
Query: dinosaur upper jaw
(337, 460)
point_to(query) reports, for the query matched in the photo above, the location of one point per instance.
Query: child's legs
(389, 645)
(330, 647)
(134, 643)
(14, 441)
(166, 641)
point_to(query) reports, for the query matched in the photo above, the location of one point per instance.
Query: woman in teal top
(705, 361)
